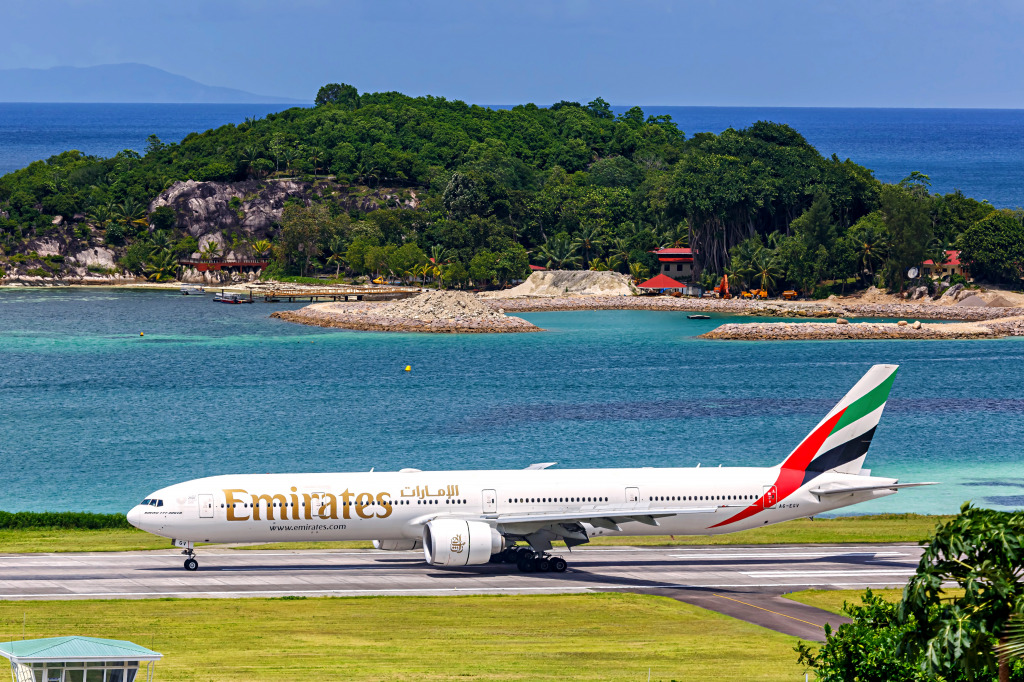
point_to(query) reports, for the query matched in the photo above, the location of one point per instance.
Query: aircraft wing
(820, 492)
(609, 517)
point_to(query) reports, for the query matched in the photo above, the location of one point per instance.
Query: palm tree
(590, 238)
(337, 251)
(675, 236)
(639, 272)
(101, 215)
(160, 241)
(315, 154)
(209, 251)
(424, 270)
(261, 247)
(558, 252)
(131, 213)
(162, 266)
(250, 155)
(764, 266)
(439, 257)
(1011, 644)
(608, 264)
(288, 155)
(872, 248)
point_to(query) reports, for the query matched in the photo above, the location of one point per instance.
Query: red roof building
(661, 282)
(676, 262)
(952, 266)
(537, 268)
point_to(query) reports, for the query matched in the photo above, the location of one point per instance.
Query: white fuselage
(394, 506)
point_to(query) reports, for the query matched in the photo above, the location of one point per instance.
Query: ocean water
(979, 151)
(94, 416)
(30, 132)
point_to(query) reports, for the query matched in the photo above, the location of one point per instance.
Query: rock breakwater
(441, 312)
(824, 331)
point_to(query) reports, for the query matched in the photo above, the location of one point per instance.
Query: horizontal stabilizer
(865, 488)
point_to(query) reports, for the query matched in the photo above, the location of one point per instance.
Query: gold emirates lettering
(315, 505)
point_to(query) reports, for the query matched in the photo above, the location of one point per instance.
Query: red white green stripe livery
(460, 518)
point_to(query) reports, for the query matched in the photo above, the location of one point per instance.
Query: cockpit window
(159, 503)
(145, 501)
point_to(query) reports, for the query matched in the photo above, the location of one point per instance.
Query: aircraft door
(632, 495)
(206, 506)
(771, 497)
(490, 502)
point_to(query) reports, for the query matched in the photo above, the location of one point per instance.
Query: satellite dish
(912, 273)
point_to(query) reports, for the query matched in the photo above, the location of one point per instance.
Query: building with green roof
(78, 659)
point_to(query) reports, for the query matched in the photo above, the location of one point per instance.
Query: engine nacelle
(397, 545)
(455, 542)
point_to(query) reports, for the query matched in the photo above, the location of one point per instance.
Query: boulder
(901, 323)
(916, 325)
(953, 291)
(840, 320)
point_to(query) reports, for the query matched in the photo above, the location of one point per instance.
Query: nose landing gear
(190, 563)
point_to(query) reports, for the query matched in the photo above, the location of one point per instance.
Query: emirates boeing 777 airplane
(462, 518)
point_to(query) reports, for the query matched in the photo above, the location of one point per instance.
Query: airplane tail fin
(840, 441)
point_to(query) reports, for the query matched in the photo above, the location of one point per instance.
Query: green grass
(574, 637)
(833, 600)
(64, 540)
(848, 529)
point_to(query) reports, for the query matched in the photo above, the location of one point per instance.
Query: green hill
(372, 183)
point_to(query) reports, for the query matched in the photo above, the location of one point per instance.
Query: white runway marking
(811, 574)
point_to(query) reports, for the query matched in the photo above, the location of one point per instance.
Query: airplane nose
(134, 516)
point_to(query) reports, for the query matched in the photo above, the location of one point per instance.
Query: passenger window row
(531, 500)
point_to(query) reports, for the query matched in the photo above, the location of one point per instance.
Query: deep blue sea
(94, 416)
(978, 151)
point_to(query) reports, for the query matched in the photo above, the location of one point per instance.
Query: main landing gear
(190, 563)
(529, 561)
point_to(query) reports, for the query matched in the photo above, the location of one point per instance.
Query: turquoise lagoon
(95, 416)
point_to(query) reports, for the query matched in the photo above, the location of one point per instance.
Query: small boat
(698, 317)
(192, 291)
(231, 298)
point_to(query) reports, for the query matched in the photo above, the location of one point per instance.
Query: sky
(828, 53)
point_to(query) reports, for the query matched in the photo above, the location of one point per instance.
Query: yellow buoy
(408, 368)
(141, 334)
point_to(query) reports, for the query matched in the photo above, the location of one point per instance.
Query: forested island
(427, 189)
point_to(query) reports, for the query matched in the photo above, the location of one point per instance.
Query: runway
(743, 581)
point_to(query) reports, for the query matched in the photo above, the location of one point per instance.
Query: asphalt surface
(745, 582)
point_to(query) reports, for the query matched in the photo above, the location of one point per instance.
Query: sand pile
(571, 282)
(448, 312)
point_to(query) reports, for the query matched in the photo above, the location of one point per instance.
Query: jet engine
(397, 545)
(456, 542)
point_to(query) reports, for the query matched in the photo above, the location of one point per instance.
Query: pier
(339, 294)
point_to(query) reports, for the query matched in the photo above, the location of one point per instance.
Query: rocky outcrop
(98, 256)
(445, 312)
(571, 282)
(205, 208)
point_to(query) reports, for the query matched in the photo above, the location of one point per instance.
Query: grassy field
(833, 600)
(574, 637)
(878, 528)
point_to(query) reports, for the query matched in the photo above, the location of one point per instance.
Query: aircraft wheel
(526, 565)
(558, 565)
(543, 564)
(191, 564)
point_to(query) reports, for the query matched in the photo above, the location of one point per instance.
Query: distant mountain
(119, 83)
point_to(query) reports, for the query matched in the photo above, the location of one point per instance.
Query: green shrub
(957, 278)
(136, 257)
(3, 273)
(65, 520)
(39, 272)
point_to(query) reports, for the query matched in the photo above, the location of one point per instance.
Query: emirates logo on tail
(458, 544)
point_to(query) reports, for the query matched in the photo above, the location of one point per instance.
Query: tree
(993, 247)
(162, 266)
(482, 267)
(908, 224)
(870, 244)
(558, 253)
(765, 269)
(302, 229)
(339, 94)
(589, 239)
(163, 218)
(513, 263)
(210, 250)
(336, 249)
(982, 552)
